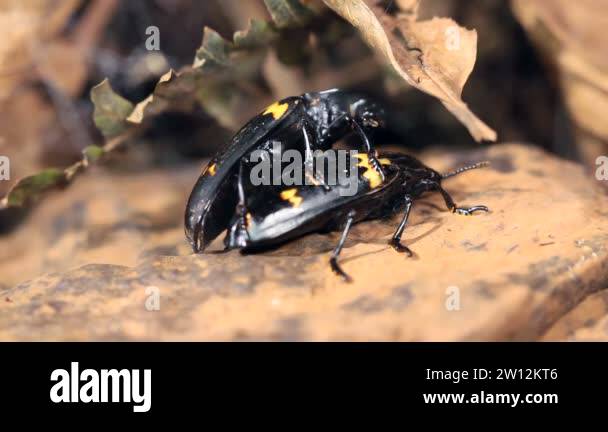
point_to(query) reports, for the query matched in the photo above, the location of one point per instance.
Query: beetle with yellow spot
(256, 217)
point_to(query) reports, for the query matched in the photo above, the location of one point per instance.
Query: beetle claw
(335, 267)
(376, 165)
(469, 211)
(401, 248)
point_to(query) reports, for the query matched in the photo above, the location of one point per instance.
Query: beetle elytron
(258, 217)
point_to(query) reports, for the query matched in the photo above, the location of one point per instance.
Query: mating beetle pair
(258, 217)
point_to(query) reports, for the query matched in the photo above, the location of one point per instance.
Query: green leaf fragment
(111, 110)
(93, 153)
(29, 189)
(221, 102)
(214, 51)
(288, 13)
(259, 34)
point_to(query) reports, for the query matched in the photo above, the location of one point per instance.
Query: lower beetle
(313, 121)
(269, 215)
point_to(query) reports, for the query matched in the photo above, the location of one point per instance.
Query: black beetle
(258, 217)
(313, 121)
(276, 214)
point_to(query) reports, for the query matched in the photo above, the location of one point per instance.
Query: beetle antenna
(465, 169)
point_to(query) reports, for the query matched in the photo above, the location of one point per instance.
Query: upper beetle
(312, 121)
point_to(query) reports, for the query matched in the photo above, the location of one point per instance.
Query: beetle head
(368, 113)
(417, 178)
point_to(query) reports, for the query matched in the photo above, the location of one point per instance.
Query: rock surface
(112, 248)
(586, 322)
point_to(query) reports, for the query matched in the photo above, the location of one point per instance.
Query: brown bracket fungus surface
(517, 273)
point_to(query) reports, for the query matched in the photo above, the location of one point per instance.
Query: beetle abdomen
(213, 198)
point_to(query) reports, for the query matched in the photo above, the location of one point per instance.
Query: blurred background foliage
(540, 77)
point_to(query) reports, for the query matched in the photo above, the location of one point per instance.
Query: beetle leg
(327, 134)
(371, 152)
(241, 191)
(466, 211)
(308, 162)
(234, 237)
(333, 262)
(395, 242)
(197, 237)
(308, 156)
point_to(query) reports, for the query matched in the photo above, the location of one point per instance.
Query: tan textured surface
(586, 322)
(519, 269)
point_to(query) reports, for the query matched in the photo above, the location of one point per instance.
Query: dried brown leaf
(435, 56)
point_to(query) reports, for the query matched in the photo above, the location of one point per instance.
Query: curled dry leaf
(435, 56)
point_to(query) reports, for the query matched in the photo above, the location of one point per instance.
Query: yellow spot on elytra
(291, 195)
(371, 174)
(248, 219)
(212, 169)
(277, 110)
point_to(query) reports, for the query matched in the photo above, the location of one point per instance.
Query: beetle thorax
(328, 118)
